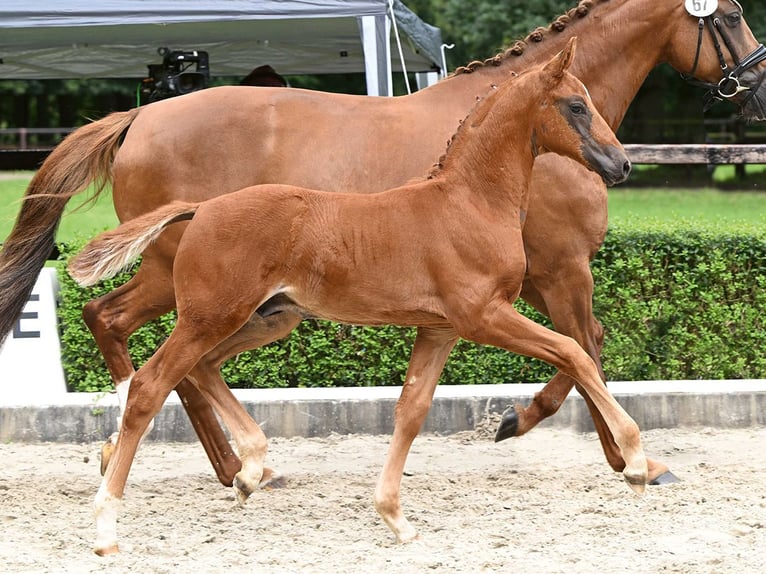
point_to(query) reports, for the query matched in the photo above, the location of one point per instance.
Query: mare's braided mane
(535, 37)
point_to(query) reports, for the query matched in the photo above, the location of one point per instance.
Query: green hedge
(682, 304)
(675, 305)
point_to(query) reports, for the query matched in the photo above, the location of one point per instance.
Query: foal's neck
(492, 154)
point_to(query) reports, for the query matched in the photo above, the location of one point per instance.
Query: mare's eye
(577, 108)
(733, 19)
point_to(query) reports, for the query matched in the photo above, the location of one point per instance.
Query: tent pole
(375, 32)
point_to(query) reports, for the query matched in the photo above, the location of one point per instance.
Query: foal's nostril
(626, 168)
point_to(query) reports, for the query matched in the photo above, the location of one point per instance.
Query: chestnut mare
(222, 139)
(444, 254)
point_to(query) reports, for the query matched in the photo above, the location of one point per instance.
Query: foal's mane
(535, 37)
(474, 118)
(518, 49)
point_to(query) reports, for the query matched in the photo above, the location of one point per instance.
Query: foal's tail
(113, 251)
(84, 157)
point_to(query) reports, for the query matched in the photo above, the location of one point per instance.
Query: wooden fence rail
(714, 154)
(696, 153)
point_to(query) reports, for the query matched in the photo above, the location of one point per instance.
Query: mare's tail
(113, 251)
(85, 156)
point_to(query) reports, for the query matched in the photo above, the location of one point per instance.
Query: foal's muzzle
(611, 163)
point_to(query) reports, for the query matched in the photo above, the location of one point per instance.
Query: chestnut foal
(218, 140)
(445, 255)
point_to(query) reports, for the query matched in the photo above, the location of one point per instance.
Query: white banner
(30, 358)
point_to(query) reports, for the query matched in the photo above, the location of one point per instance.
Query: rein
(729, 85)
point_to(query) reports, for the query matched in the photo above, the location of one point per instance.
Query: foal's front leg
(506, 328)
(429, 354)
(571, 311)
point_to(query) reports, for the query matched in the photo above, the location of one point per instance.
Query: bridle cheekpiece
(729, 86)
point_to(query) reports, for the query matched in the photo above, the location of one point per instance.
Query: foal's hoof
(666, 477)
(508, 426)
(107, 550)
(244, 486)
(106, 452)
(242, 489)
(272, 480)
(408, 538)
(637, 483)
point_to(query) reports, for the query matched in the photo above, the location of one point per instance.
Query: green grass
(634, 207)
(76, 223)
(688, 208)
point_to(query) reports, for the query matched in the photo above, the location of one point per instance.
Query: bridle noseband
(730, 85)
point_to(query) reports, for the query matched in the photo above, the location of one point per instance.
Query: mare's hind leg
(571, 311)
(507, 328)
(113, 317)
(429, 354)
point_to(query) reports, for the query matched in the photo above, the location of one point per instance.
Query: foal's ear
(560, 62)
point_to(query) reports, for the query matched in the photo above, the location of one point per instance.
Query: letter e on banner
(30, 358)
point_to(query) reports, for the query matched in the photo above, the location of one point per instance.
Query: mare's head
(713, 46)
(567, 123)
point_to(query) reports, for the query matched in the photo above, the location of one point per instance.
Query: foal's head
(567, 123)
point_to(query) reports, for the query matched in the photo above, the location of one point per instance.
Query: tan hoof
(408, 539)
(106, 452)
(106, 551)
(272, 480)
(636, 483)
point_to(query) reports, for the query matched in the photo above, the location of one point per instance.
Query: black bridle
(730, 85)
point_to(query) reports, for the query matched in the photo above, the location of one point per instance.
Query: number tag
(701, 8)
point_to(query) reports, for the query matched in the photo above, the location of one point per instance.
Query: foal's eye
(577, 109)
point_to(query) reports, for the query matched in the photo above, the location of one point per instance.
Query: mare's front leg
(565, 226)
(113, 317)
(571, 314)
(429, 354)
(506, 328)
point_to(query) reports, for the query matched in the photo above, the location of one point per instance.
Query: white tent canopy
(118, 38)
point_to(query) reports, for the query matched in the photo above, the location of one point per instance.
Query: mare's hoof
(508, 426)
(666, 477)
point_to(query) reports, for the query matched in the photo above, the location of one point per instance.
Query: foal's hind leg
(192, 338)
(149, 389)
(429, 354)
(248, 436)
(113, 317)
(507, 328)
